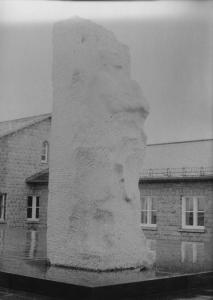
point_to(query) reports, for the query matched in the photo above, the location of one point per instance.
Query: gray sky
(171, 49)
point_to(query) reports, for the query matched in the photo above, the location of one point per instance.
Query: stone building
(176, 188)
(24, 147)
(176, 182)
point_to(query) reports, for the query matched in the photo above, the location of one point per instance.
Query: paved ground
(201, 294)
(24, 252)
(6, 294)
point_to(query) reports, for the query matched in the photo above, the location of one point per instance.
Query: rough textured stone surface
(97, 149)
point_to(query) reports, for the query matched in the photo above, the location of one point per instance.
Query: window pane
(154, 217)
(189, 204)
(37, 213)
(37, 201)
(29, 212)
(2, 206)
(189, 218)
(144, 217)
(30, 201)
(144, 203)
(153, 204)
(44, 153)
(200, 219)
(1, 212)
(200, 204)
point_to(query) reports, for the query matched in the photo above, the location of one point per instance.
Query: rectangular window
(33, 208)
(45, 152)
(148, 211)
(193, 212)
(2, 207)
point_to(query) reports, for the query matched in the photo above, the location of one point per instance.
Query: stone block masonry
(168, 197)
(21, 158)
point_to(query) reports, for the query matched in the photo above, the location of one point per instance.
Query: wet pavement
(24, 252)
(175, 256)
(6, 294)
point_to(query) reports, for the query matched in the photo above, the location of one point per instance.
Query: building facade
(176, 188)
(24, 147)
(176, 183)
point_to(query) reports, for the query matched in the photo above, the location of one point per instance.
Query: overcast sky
(171, 50)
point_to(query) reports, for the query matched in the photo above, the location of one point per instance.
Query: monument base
(92, 262)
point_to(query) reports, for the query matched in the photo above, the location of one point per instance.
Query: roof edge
(33, 177)
(143, 180)
(49, 115)
(27, 117)
(45, 116)
(180, 142)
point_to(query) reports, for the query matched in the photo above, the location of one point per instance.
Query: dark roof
(39, 177)
(8, 127)
(175, 179)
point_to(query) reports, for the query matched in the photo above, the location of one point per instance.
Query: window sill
(44, 162)
(32, 221)
(193, 230)
(148, 227)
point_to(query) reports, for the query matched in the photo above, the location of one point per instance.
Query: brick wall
(23, 150)
(3, 163)
(168, 195)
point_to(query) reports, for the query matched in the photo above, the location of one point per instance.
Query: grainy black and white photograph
(106, 150)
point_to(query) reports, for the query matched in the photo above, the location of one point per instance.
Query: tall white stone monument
(97, 149)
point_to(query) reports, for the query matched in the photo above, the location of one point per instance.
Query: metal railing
(177, 172)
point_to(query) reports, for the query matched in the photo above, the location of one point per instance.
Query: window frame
(34, 208)
(45, 152)
(149, 213)
(195, 213)
(3, 197)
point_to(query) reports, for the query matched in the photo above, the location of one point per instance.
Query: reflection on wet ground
(177, 256)
(24, 252)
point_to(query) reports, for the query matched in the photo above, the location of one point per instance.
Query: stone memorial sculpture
(97, 150)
